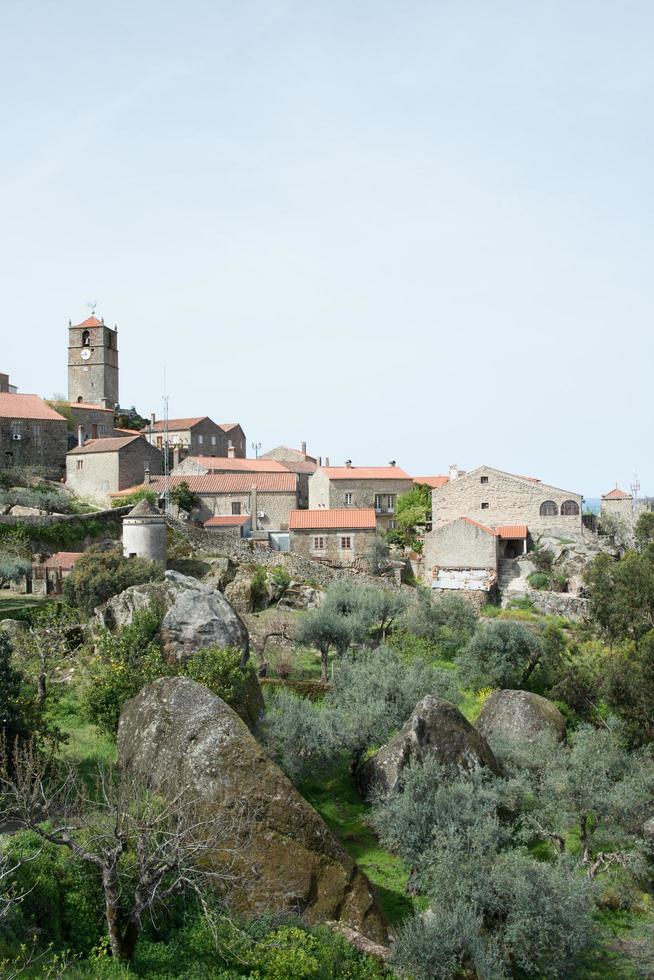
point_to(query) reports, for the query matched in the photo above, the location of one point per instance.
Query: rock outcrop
(436, 729)
(196, 615)
(175, 733)
(519, 715)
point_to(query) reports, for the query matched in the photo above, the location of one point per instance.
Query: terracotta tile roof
(96, 408)
(91, 321)
(217, 464)
(231, 520)
(345, 518)
(63, 559)
(616, 494)
(432, 481)
(110, 445)
(511, 532)
(27, 407)
(226, 426)
(221, 482)
(365, 473)
(175, 425)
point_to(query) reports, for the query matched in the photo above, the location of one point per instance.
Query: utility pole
(166, 451)
(256, 446)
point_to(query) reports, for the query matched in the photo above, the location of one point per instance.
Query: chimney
(320, 461)
(153, 419)
(146, 475)
(348, 464)
(454, 471)
(231, 452)
(253, 506)
(175, 456)
(392, 462)
(326, 460)
(303, 448)
(80, 435)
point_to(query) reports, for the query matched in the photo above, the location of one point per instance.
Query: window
(483, 479)
(102, 429)
(346, 542)
(15, 429)
(485, 505)
(548, 509)
(392, 525)
(200, 440)
(86, 339)
(37, 432)
(347, 499)
(236, 507)
(570, 508)
(80, 464)
(318, 544)
(213, 440)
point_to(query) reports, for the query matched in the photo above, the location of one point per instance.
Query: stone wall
(97, 423)
(203, 439)
(622, 509)
(275, 506)
(104, 473)
(302, 543)
(510, 499)
(92, 380)
(459, 544)
(43, 442)
(551, 603)
(324, 492)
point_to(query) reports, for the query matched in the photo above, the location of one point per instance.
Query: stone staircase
(508, 569)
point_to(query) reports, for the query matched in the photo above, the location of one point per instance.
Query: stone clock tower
(93, 363)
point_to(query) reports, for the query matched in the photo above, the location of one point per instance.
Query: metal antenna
(166, 456)
(256, 446)
(635, 487)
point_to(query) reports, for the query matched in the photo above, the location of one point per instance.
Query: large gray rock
(519, 715)
(19, 510)
(176, 734)
(436, 729)
(196, 615)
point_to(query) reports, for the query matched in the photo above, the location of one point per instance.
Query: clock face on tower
(85, 353)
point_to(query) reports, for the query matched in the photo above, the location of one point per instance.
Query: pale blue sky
(418, 231)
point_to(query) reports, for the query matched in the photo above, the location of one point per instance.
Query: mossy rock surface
(174, 734)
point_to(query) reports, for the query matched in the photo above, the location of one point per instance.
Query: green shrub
(539, 580)
(222, 670)
(542, 558)
(99, 575)
(259, 588)
(136, 497)
(501, 654)
(280, 580)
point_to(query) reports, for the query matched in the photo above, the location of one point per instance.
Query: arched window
(570, 508)
(548, 509)
(86, 339)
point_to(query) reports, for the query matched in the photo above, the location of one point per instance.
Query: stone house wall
(622, 509)
(332, 494)
(43, 442)
(459, 544)
(203, 439)
(97, 424)
(510, 499)
(275, 506)
(303, 543)
(101, 474)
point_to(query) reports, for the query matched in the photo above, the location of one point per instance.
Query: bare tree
(146, 847)
(47, 643)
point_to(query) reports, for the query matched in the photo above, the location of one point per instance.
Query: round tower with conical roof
(144, 533)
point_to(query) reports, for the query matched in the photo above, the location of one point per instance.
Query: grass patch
(87, 747)
(345, 813)
(19, 606)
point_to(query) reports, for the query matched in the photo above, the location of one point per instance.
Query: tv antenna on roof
(92, 305)
(635, 487)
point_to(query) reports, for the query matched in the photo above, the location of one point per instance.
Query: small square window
(483, 479)
(318, 544)
(485, 505)
(347, 499)
(236, 507)
(346, 543)
(80, 464)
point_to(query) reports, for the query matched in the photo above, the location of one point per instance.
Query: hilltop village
(282, 717)
(475, 534)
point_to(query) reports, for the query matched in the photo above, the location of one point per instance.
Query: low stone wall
(552, 603)
(50, 533)
(44, 520)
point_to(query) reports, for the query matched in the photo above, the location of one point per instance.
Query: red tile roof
(482, 527)
(96, 408)
(512, 532)
(344, 518)
(175, 425)
(217, 464)
(63, 559)
(91, 321)
(110, 445)
(616, 494)
(221, 482)
(365, 473)
(432, 481)
(231, 520)
(27, 407)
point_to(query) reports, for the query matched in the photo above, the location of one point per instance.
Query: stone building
(96, 422)
(234, 442)
(101, 467)
(32, 434)
(297, 461)
(617, 503)
(238, 525)
(339, 535)
(48, 577)
(197, 436)
(267, 498)
(144, 533)
(201, 465)
(337, 487)
(93, 363)
(5, 387)
(496, 498)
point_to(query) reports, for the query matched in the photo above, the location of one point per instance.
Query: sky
(419, 231)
